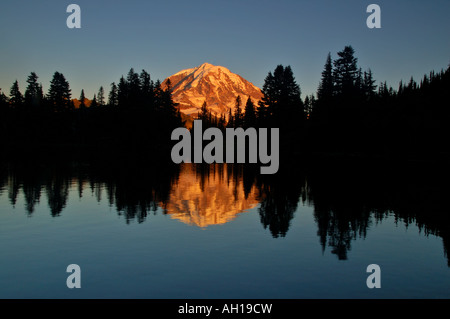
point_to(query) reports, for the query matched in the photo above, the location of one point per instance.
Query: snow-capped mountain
(216, 85)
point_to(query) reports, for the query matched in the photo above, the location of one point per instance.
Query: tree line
(137, 110)
(349, 113)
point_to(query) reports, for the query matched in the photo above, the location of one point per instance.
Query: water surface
(222, 232)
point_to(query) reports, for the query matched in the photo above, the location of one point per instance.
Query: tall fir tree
(250, 114)
(122, 93)
(230, 122)
(15, 96)
(369, 87)
(33, 93)
(282, 98)
(203, 113)
(134, 89)
(82, 100)
(59, 93)
(345, 72)
(112, 97)
(101, 97)
(147, 90)
(238, 112)
(326, 86)
(169, 107)
(94, 103)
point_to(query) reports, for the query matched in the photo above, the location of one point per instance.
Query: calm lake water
(223, 231)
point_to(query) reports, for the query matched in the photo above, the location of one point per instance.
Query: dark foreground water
(223, 231)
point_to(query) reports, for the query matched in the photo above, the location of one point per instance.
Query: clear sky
(249, 37)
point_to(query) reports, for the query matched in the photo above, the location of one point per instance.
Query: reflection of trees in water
(280, 195)
(57, 190)
(134, 190)
(347, 198)
(340, 210)
(32, 179)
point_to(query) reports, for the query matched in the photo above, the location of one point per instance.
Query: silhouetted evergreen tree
(33, 93)
(15, 96)
(100, 97)
(281, 106)
(326, 86)
(158, 94)
(345, 73)
(238, 112)
(262, 114)
(203, 114)
(230, 122)
(113, 100)
(122, 93)
(321, 110)
(167, 105)
(250, 114)
(369, 87)
(134, 89)
(94, 102)
(59, 93)
(82, 98)
(147, 90)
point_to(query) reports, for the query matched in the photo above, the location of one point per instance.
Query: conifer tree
(122, 93)
(59, 93)
(168, 105)
(15, 96)
(282, 99)
(33, 92)
(369, 86)
(134, 89)
(326, 86)
(230, 122)
(94, 102)
(203, 114)
(238, 112)
(82, 98)
(147, 90)
(250, 114)
(345, 72)
(113, 98)
(100, 97)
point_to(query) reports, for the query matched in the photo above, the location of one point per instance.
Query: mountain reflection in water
(210, 196)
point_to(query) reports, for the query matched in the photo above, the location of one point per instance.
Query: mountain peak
(216, 85)
(206, 65)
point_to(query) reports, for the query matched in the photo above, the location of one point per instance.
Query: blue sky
(249, 37)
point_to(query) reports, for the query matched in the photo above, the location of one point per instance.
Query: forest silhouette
(349, 115)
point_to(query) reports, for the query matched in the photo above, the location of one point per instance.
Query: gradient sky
(249, 37)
